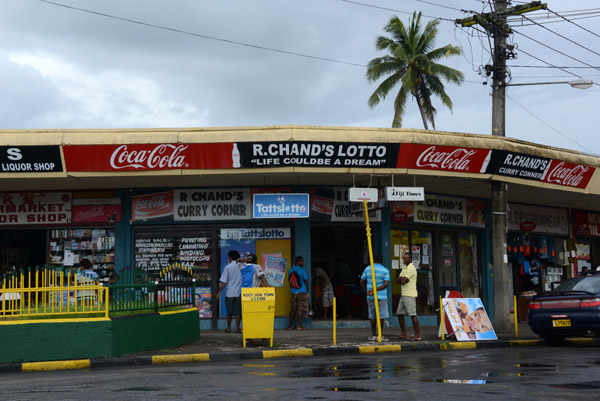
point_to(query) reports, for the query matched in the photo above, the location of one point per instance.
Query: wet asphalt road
(532, 373)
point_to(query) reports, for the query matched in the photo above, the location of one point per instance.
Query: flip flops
(227, 331)
(415, 338)
(402, 338)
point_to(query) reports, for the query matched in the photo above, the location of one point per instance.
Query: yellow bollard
(442, 317)
(334, 315)
(516, 319)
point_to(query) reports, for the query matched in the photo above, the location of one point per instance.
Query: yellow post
(516, 319)
(334, 325)
(442, 318)
(105, 302)
(373, 279)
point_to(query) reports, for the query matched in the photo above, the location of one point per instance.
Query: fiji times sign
(280, 206)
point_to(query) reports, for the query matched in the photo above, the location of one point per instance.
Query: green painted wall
(52, 341)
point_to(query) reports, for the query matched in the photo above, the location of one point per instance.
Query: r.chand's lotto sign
(281, 206)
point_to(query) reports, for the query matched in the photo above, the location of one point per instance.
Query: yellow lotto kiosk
(258, 313)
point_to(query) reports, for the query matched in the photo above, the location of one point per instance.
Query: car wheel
(554, 341)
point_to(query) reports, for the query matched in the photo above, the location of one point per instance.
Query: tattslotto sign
(318, 154)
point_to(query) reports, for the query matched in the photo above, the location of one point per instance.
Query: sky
(226, 63)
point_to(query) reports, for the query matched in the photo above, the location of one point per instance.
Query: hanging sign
(405, 193)
(274, 206)
(35, 208)
(363, 194)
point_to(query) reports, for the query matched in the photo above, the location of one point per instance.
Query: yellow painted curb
(459, 345)
(172, 312)
(186, 358)
(581, 340)
(287, 353)
(372, 349)
(524, 343)
(37, 321)
(55, 365)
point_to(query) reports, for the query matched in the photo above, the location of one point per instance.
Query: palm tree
(411, 62)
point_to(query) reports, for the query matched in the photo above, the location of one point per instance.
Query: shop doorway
(22, 248)
(341, 251)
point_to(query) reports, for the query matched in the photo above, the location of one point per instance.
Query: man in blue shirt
(382, 280)
(232, 277)
(299, 287)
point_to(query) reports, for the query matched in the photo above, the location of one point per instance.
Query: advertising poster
(203, 301)
(157, 206)
(468, 319)
(274, 268)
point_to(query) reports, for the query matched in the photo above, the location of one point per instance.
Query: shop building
(147, 198)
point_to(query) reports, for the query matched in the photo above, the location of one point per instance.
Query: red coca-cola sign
(527, 226)
(96, 213)
(444, 158)
(568, 174)
(152, 206)
(399, 217)
(150, 156)
(321, 204)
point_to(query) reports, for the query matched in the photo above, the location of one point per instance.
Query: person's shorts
(383, 309)
(233, 305)
(328, 296)
(299, 302)
(407, 306)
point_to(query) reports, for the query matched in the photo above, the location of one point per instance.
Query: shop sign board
(568, 174)
(518, 165)
(405, 193)
(30, 159)
(318, 154)
(240, 234)
(156, 206)
(547, 220)
(445, 158)
(213, 204)
(35, 208)
(281, 206)
(149, 156)
(587, 223)
(363, 194)
(441, 210)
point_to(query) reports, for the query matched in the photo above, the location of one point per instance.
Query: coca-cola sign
(96, 213)
(527, 226)
(150, 156)
(161, 156)
(152, 206)
(568, 174)
(445, 158)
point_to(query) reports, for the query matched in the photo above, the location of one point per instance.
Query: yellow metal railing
(52, 294)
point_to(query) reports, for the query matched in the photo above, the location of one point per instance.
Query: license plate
(561, 323)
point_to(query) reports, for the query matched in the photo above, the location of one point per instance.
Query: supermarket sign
(35, 208)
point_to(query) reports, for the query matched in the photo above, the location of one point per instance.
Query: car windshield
(588, 284)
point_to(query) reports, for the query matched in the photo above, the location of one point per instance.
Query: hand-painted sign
(212, 204)
(274, 206)
(30, 159)
(35, 208)
(441, 210)
(318, 154)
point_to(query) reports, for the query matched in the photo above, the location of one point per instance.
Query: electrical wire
(394, 10)
(233, 42)
(550, 66)
(549, 126)
(585, 29)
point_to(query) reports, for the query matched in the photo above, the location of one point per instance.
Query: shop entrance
(22, 248)
(341, 251)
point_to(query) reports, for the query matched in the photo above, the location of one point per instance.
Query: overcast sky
(65, 68)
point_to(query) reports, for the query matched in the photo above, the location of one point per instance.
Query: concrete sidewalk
(218, 346)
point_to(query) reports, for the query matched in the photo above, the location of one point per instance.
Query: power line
(440, 5)
(394, 10)
(564, 37)
(549, 126)
(585, 29)
(204, 36)
(549, 66)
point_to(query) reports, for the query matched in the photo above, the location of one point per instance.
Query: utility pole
(496, 26)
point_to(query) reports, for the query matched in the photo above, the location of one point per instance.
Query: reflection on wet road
(505, 373)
